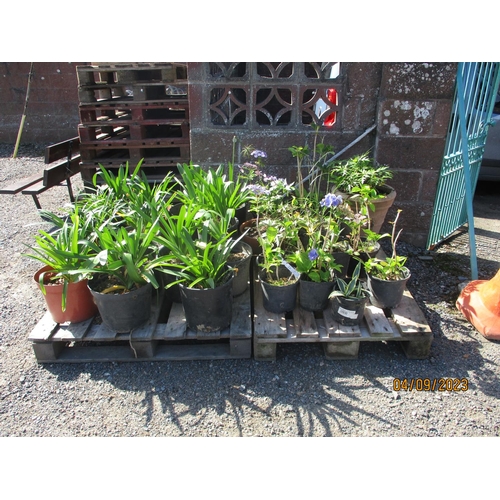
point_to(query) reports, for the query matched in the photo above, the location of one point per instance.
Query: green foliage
(213, 189)
(358, 173)
(315, 159)
(318, 268)
(351, 289)
(196, 262)
(390, 268)
(125, 253)
(65, 250)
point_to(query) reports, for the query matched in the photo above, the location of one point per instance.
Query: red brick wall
(52, 112)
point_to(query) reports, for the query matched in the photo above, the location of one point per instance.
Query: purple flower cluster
(258, 189)
(259, 154)
(331, 200)
(269, 178)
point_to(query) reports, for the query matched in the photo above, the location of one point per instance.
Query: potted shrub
(348, 300)
(315, 259)
(201, 270)
(363, 242)
(317, 271)
(278, 279)
(364, 186)
(387, 278)
(63, 278)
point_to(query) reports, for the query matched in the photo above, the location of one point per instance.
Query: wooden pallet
(140, 82)
(164, 338)
(161, 112)
(405, 324)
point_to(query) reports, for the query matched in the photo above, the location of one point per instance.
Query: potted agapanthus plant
(200, 268)
(63, 277)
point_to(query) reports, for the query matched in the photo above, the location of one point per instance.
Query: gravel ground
(301, 394)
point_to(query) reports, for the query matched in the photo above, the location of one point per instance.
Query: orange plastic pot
(80, 305)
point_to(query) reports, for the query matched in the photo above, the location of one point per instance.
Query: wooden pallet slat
(334, 329)
(376, 321)
(176, 327)
(409, 318)
(305, 323)
(44, 329)
(72, 331)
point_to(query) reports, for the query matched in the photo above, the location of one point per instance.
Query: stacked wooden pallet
(133, 111)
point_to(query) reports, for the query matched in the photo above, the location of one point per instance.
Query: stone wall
(414, 107)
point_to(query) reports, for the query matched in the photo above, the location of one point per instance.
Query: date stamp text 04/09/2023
(431, 384)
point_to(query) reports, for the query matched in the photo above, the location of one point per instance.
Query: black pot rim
(406, 278)
(94, 280)
(226, 283)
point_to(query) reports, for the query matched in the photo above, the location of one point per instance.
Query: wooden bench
(63, 161)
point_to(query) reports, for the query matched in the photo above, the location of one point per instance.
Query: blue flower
(313, 254)
(330, 200)
(259, 154)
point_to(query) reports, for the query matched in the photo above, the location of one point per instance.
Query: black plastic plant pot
(387, 294)
(173, 291)
(208, 309)
(348, 311)
(343, 259)
(241, 267)
(241, 214)
(279, 298)
(123, 312)
(313, 296)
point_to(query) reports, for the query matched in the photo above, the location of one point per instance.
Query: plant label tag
(347, 314)
(291, 269)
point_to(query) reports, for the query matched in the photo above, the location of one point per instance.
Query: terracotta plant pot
(79, 303)
(381, 207)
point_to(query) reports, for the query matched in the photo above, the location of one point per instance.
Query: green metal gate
(475, 92)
